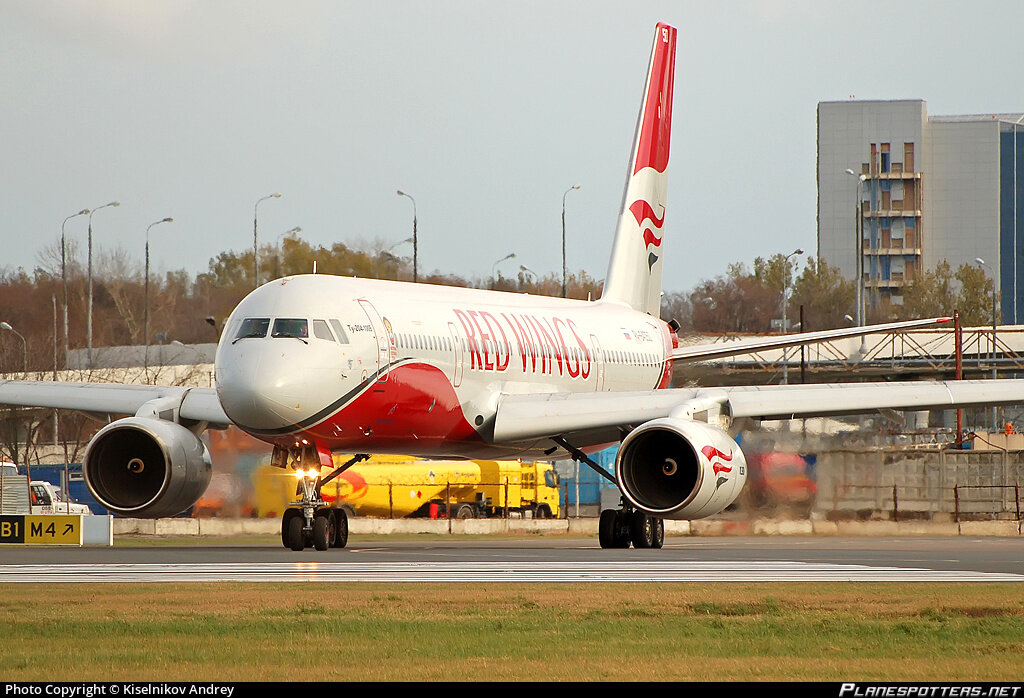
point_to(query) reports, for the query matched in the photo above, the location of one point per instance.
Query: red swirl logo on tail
(710, 452)
(642, 211)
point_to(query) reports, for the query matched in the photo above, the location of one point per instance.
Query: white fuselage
(382, 366)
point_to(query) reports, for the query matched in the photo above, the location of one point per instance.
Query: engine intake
(680, 469)
(146, 468)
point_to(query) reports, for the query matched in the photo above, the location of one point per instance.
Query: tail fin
(634, 273)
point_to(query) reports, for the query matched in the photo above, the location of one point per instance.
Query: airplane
(313, 364)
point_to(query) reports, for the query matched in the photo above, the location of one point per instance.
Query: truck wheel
(641, 530)
(464, 511)
(321, 532)
(658, 539)
(296, 538)
(543, 512)
(340, 529)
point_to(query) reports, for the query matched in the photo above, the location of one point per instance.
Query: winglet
(634, 272)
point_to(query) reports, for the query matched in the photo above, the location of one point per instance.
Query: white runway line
(487, 572)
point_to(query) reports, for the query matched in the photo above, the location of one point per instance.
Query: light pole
(145, 310)
(64, 275)
(992, 274)
(89, 314)
(859, 248)
(527, 270)
(277, 249)
(564, 269)
(510, 255)
(24, 345)
(255, 240)
(785, 302)
(415, 244)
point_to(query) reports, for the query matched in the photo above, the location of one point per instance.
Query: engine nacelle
(680, 469)
(146, 468)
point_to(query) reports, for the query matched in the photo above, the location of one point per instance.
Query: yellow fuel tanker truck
(399, 487)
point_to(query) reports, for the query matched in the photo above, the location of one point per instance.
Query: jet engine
(146, 468)
(680, 469)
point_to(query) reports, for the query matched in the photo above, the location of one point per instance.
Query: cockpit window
(291, 327)
(253, 327)
(339, 331)
(322, 331)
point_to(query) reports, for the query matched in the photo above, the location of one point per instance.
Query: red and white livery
(316, 364)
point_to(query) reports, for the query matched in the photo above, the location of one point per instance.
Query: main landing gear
(618, 528)
(310, 521)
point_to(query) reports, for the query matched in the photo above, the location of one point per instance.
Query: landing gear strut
(310, 521)
(618, 528)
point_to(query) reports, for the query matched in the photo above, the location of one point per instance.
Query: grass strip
(512, 632)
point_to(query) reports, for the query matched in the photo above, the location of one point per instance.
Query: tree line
(192, 309)
(745, 300)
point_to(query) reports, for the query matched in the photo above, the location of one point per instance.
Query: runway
(552, 560)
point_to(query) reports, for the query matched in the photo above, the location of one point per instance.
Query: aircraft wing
(705, 352)
(525, 417)
(191, 404)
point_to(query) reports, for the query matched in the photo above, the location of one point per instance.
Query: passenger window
(253, 327)
(291, 327)
(339, 331)
(322, 331)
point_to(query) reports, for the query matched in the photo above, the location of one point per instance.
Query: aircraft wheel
(296, 538)
(622, 536)
(658, 539)
(606, 528)
(641, 530)
(321, 532)
(340, 529)
(286, 518)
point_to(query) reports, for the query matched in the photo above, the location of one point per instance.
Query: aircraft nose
(265, 390)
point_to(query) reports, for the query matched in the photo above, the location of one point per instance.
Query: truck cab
(49, 499)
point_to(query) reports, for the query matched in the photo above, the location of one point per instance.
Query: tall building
(899, 191)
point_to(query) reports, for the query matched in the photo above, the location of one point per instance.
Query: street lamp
(992, 273)
(415, 245)
(399, 244)
(64, 274)
(24, 345)
(255, 243)
(89, 314)
(510, 255)
(277, 249)
(859, 248)
(527, 270)
(785, 302)
(564, 270)
(145, 310)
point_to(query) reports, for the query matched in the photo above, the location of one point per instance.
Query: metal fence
(915, 484)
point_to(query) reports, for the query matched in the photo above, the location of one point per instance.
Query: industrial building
(900, 191)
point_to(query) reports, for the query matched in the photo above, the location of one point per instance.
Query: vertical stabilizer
(634, 273)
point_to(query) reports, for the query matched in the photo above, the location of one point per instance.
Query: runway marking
(422, 572)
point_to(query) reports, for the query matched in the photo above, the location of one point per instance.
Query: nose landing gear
(310, 521)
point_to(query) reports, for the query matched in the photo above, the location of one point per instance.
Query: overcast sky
(484, 112)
